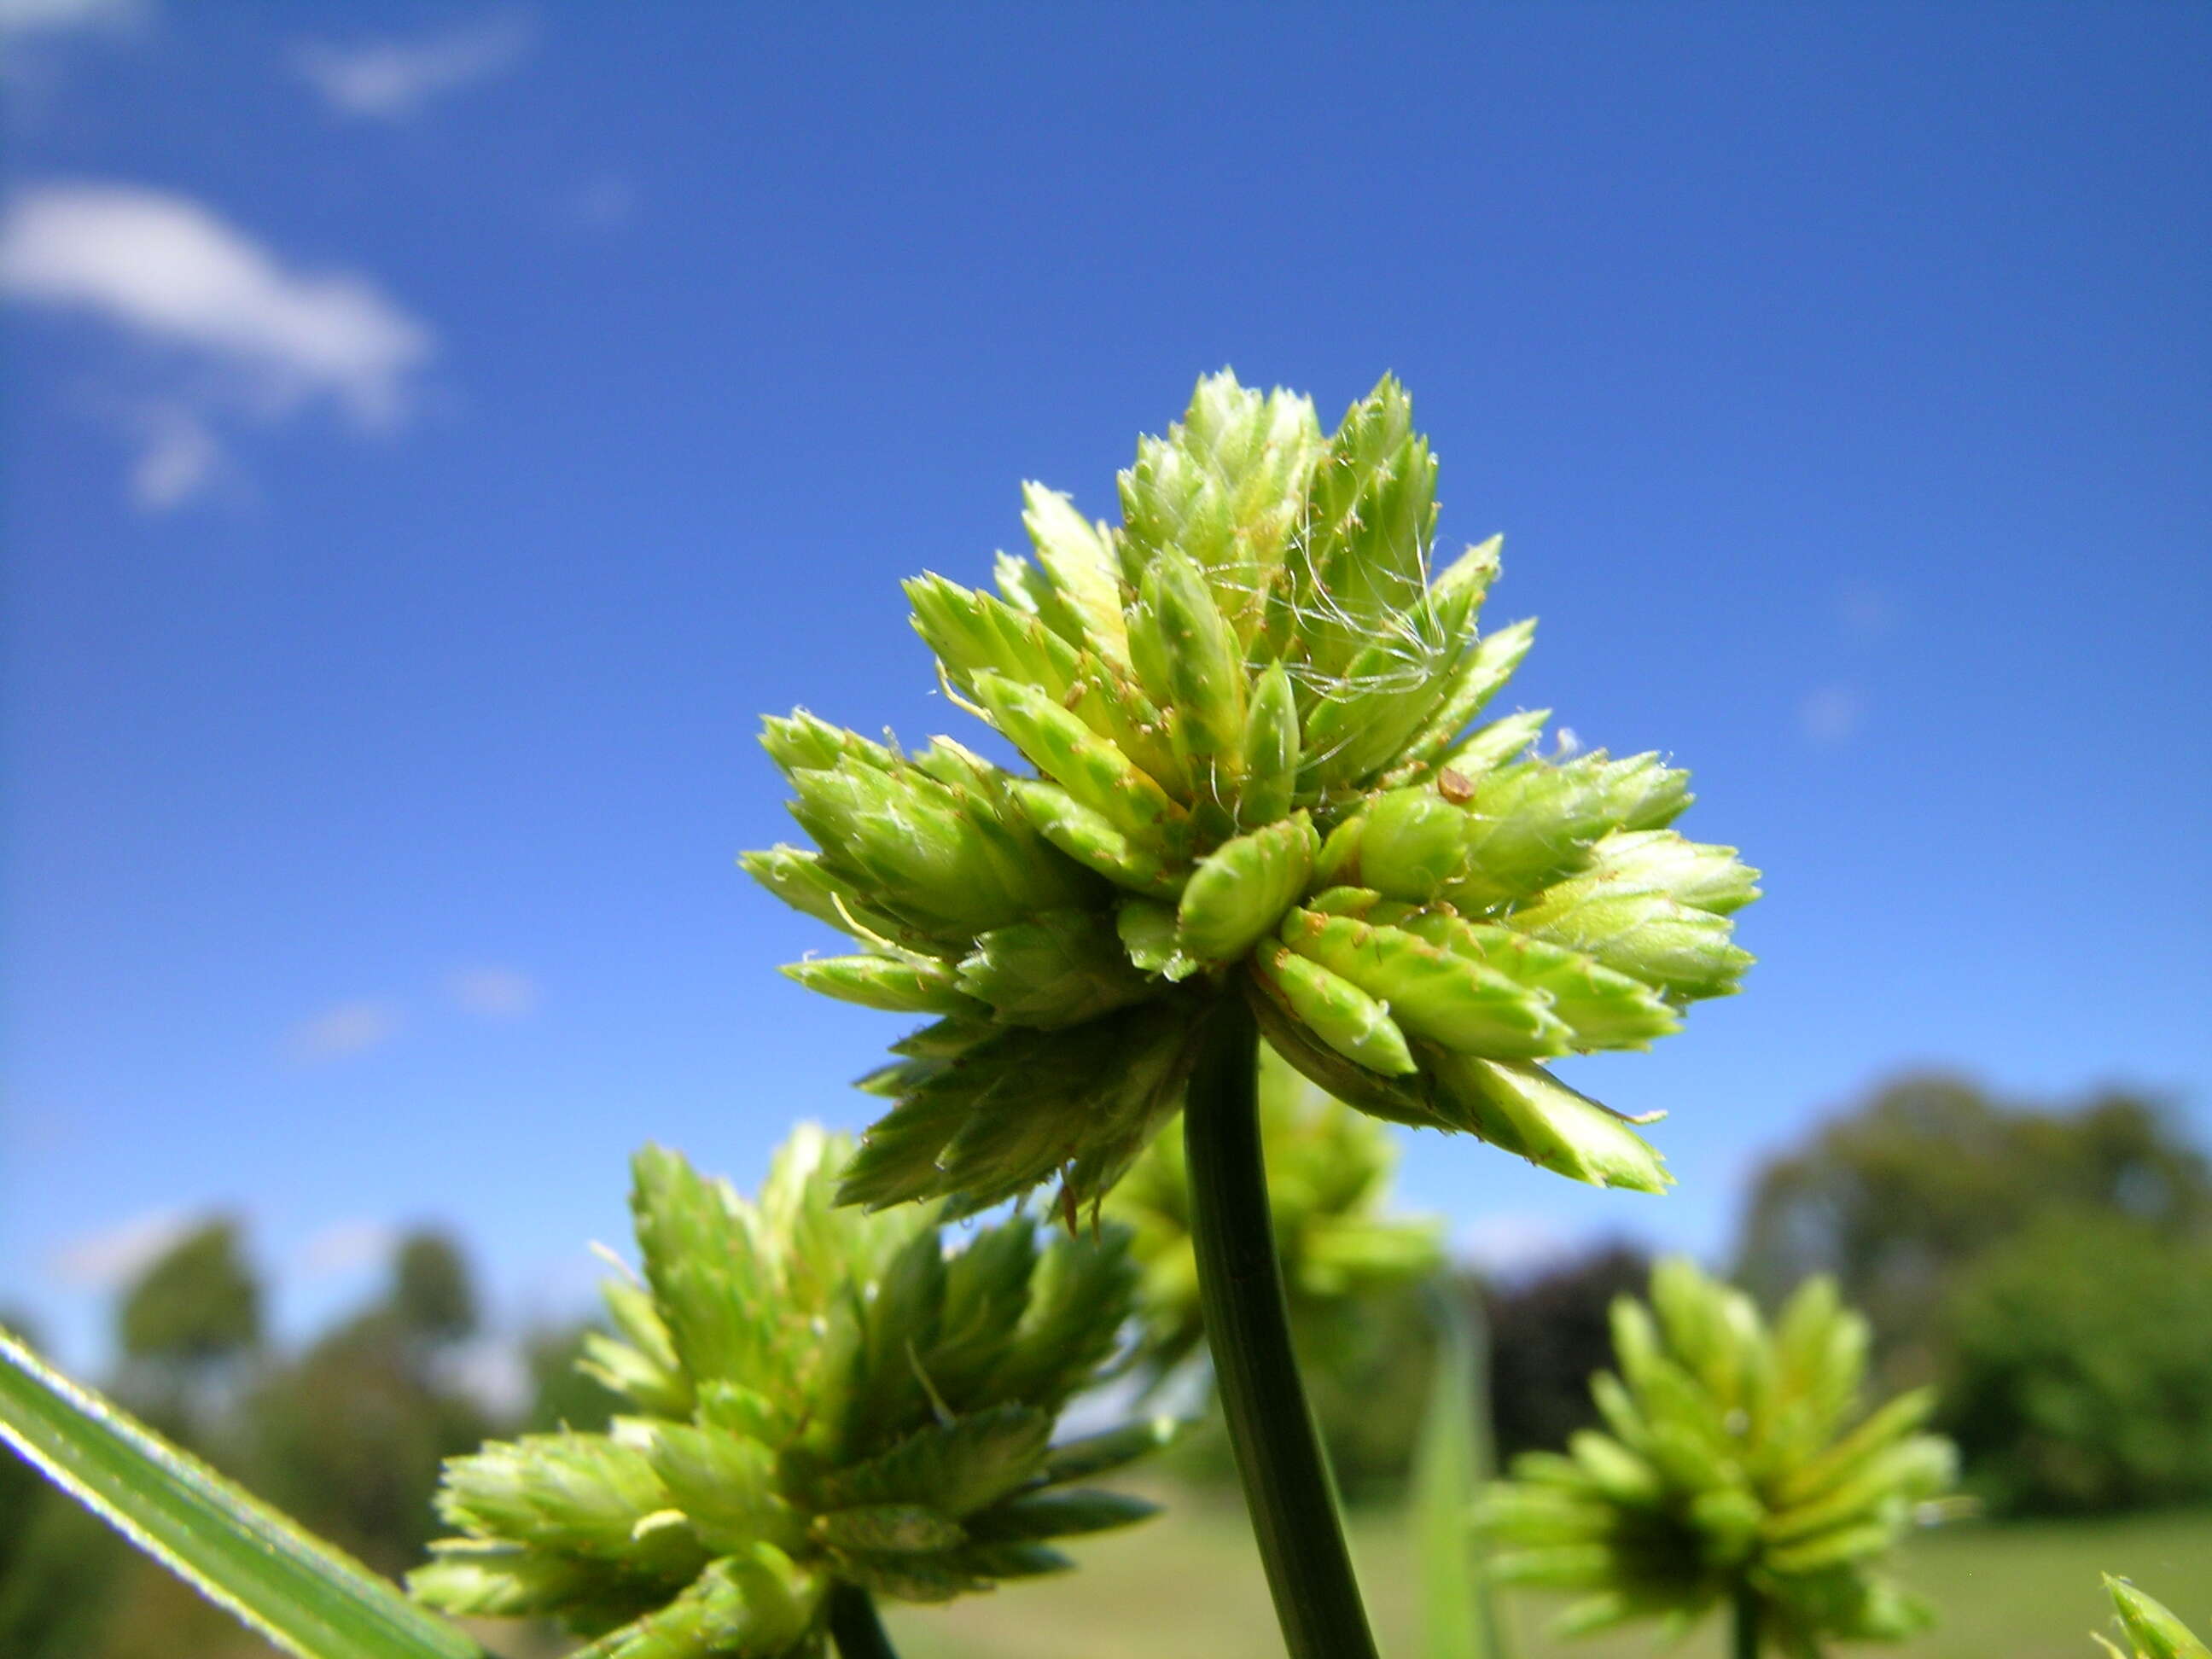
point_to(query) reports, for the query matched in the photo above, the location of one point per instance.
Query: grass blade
(297, 1591)
(1452, 1460)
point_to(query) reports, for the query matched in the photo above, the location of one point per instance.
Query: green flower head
(821, 1395)
(1329, 1179)
(1250, 708)
(2151, 1628)
(1739, 1463)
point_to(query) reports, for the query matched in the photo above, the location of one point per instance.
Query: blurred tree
(1898, 1195)
(2079, 1372)
(432, 1295)
(1547, 1336)
(198, 1306)
(348, 1437)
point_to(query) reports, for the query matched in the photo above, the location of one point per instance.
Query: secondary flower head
(1250, 708)
(1329, 1179)
(821, 1394)
(1739, 1463)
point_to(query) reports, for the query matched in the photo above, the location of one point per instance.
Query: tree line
(2049, 1269)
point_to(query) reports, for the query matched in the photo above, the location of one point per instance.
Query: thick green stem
(852, 1622)
(1278, 1456)
(1744, 1639)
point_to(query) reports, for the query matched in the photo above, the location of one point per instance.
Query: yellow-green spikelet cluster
(1738, 1461)
(819, 1395)
(1251, 709)
(1328, 1181)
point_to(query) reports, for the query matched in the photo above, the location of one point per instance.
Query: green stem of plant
(1278, 1455)
(1744, 1642)
(854, 1625)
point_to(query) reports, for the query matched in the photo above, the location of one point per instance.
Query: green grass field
(1188, 1586)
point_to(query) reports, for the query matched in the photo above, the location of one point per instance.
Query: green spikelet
(1255, 689)
(1430, 991)
(1241, 889)
(1349, 1020)
(1079, 558)
(896, 985)
(1271, 750)
(1094, 772)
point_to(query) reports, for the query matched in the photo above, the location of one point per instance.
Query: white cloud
(20, 18)
(241, 333)
(112, 1257)
(179, 457)
(494, 993)
(171, 271)
(392, 80)
(345, 1247)
(1509, 1245)
(1832, 713)
(1865, 613)
(605, 201)
(345, 1029)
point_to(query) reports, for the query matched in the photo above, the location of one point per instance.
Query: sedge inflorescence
(1737, 1462)
(819, 1397)
(1250, 708)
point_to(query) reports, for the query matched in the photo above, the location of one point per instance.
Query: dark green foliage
(1548, 1336)
(197, 1305)
(2079, 1370)
(431, 1293)
(1896, 1197)
(349, 1437)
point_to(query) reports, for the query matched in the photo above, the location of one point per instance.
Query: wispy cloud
(113, 1256)
(1832, 713)
(494, 993)
(20, 19)
(345, 1247)
(236, 331)
(1509, 1245)
(344, 1029)
(393, 80)
(1865, 613)
(605, 201)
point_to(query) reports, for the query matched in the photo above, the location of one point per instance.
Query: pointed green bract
(2151, 1628)
(1255, 689)
(1524, 1108)
(1730, 1473)
(897, 985)
(857, 1407)
(1060, 968)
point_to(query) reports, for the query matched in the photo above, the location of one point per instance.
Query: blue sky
(435, 434)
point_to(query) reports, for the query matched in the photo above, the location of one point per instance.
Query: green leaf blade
(300, 1592)
(1450, 1466)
